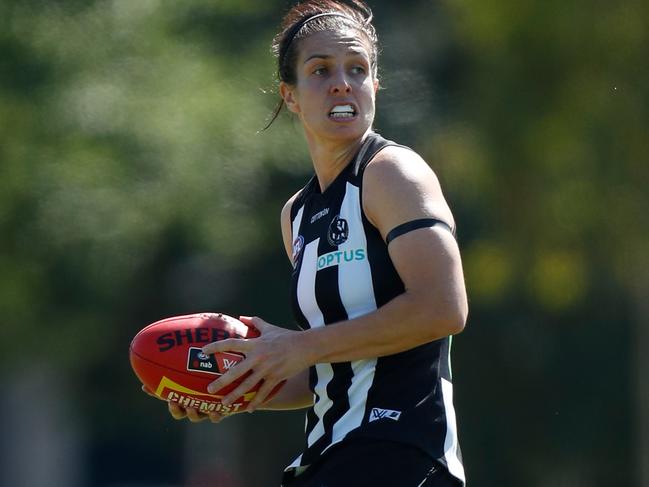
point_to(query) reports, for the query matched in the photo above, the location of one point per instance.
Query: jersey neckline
(343, 172)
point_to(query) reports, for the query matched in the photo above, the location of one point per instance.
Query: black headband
(290, 35)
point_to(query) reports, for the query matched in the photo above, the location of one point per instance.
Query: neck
(331, 157)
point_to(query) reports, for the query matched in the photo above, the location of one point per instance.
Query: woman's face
(335, 90)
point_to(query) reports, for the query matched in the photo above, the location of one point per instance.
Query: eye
(319, 71)
(358, 70)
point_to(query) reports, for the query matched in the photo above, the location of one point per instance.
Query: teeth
(343, 109)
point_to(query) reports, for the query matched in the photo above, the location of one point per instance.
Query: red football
(167, 358)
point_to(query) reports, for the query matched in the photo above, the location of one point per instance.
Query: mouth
(343, 112)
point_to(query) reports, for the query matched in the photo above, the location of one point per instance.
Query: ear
(376, 85)
(287, 92)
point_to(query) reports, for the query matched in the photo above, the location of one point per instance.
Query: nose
(339, 83)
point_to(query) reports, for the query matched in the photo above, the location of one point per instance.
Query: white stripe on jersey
(357, 296)
(361, 382)
(295, 231)
(296, 224)
(451, 442)
(307, 300)
(355, 278)
(325, 374)
(306, 286)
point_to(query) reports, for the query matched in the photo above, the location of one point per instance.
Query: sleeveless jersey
(342, 270)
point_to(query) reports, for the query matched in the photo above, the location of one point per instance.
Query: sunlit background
(135, 185)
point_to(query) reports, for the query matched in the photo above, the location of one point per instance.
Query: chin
(328, 130)
(349, 130)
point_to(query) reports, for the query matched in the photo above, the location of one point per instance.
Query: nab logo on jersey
(338, 231)
(378, 413)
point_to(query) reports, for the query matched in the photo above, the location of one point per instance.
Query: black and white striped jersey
(342, 270)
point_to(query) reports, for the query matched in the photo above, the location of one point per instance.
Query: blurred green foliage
(135, 184)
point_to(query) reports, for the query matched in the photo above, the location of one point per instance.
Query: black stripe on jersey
(298, 202)
(444, 356)
(342, 379)
(327, 291)
(386, 281)
(311, 418)
(301, 320)
(372, 146)
(333, 311)
(360, 156)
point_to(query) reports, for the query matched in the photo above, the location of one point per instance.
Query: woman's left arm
(398, 187)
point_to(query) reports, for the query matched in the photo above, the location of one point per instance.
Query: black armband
(414, 225)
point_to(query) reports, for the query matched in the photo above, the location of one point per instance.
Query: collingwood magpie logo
(338, 231)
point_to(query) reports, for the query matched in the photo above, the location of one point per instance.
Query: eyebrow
(317, 56)
(350, 53)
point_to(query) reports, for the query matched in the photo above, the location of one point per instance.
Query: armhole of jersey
(359, 171)
(291, 217)
(296, 204)
(361, 162)
(399, 230)
(298, 197)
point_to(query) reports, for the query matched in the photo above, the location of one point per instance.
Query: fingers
(228, 345)
(247, 320)
(176, 411)
(253, 369)
(253, 322)
(244, 346)
(230, 376)
(194, 416)
(261, 395)
(247, 384)
(216, 417)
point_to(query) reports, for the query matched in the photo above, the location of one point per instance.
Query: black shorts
(374, 463)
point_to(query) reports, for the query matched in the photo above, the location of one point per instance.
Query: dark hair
(312, 16)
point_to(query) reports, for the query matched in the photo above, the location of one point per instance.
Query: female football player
(377, 285)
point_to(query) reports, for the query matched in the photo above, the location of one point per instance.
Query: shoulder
(287, 231)
(287, 210)
(398, 186)
(398, 165)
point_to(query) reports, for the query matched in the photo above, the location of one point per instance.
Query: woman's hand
(270, 358)
(178, 412)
